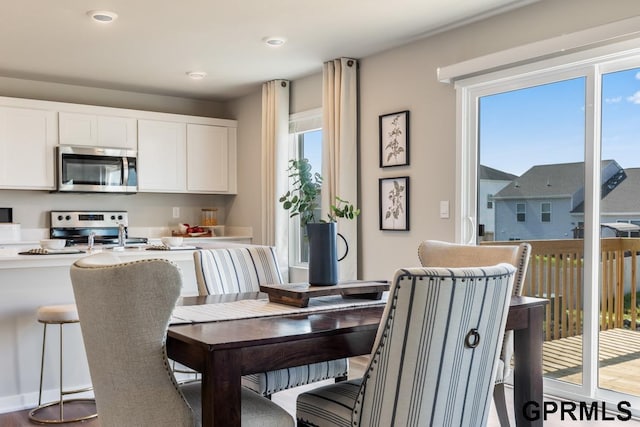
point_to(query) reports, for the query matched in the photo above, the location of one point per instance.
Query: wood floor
(619, 357)
(287, 400)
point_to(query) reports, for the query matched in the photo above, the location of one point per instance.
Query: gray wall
(398, 79)
(405, 78)
(31, 208)
(30, 89)
(245, 209)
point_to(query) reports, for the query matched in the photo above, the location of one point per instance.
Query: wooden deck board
(619, 357)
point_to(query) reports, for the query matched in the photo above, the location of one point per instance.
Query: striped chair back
(233, 270)
(436, 351)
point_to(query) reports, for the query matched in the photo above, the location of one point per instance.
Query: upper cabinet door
(27, 148)
(207, 159)
(121, 132)
(161, 156)
(98, 131)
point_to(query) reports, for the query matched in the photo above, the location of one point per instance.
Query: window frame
(543, 212)
(522, 212)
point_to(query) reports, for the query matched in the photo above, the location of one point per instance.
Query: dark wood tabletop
(224, 351)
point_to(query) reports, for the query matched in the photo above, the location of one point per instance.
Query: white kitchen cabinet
(211, 159)
(27, 148)
(98, 130)
(162, 151)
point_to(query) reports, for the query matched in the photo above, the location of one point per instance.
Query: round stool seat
(67, 313)
(53, 412)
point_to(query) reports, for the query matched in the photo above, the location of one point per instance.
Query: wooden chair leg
(500, 401)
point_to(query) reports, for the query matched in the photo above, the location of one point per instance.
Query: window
(545, 212)
(489, 201)
(305, 136)
(520, 212)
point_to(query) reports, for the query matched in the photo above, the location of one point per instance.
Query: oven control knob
(120, 217)
(113, 217)
(60, 217)
(68, 217)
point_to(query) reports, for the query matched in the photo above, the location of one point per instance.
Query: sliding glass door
(550, 154)
(619, 293)
(531, 187)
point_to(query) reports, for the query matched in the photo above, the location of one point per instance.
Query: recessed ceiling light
(102, 16)
(196, 75)
(274, 41)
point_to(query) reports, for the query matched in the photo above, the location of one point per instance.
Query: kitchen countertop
(11, 259)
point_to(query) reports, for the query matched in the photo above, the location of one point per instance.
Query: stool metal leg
(61, 400)
(33, 414)
(44, 340)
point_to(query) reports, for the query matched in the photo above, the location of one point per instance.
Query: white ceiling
(153, 43)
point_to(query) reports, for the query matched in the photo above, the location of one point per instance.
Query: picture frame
(394, 139)
(393, 196)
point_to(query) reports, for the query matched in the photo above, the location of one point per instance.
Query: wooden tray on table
(298, 294)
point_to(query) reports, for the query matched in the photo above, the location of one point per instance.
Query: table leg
(221, 390)
(527, 389)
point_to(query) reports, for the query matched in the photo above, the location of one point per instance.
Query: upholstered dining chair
(434, 253)
(244, 269)
(124, 310)
(434, 358)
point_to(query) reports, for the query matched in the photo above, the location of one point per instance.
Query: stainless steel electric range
(103, 226)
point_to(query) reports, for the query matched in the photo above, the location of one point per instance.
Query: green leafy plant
(302, 199)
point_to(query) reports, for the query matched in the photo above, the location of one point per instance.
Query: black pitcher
(323, 254)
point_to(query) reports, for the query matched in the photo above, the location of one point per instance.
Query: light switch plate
(444, 209)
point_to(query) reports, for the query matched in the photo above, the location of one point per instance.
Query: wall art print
(394, 203)
(394, 139)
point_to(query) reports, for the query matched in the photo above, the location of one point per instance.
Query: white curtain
(340, 151)
(275, 130)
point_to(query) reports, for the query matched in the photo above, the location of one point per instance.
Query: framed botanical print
(394, 139)
(394, 203)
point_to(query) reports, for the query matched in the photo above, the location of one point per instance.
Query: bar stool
(60, 315)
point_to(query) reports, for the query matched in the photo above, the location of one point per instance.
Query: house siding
(560, 227)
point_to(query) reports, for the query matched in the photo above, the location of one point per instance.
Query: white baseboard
(24, 401)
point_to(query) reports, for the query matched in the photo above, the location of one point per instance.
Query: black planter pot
(323, 254)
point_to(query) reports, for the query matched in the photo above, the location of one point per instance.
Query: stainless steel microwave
(96, 169)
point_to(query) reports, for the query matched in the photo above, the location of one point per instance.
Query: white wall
(405, 78)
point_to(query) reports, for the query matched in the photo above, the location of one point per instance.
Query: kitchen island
(30, 281)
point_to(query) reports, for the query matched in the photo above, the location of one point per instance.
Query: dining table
(224, 350)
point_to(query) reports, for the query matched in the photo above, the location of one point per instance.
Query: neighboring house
(622, 205)
(491, 182)
(546, 202)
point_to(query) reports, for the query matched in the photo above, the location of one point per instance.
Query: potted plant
(302, 200)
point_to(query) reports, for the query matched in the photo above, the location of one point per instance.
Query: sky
(545, 124)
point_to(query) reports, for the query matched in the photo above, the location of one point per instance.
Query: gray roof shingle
(491, 174)
(544, 181)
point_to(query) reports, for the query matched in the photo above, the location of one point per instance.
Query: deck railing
(556, 272)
